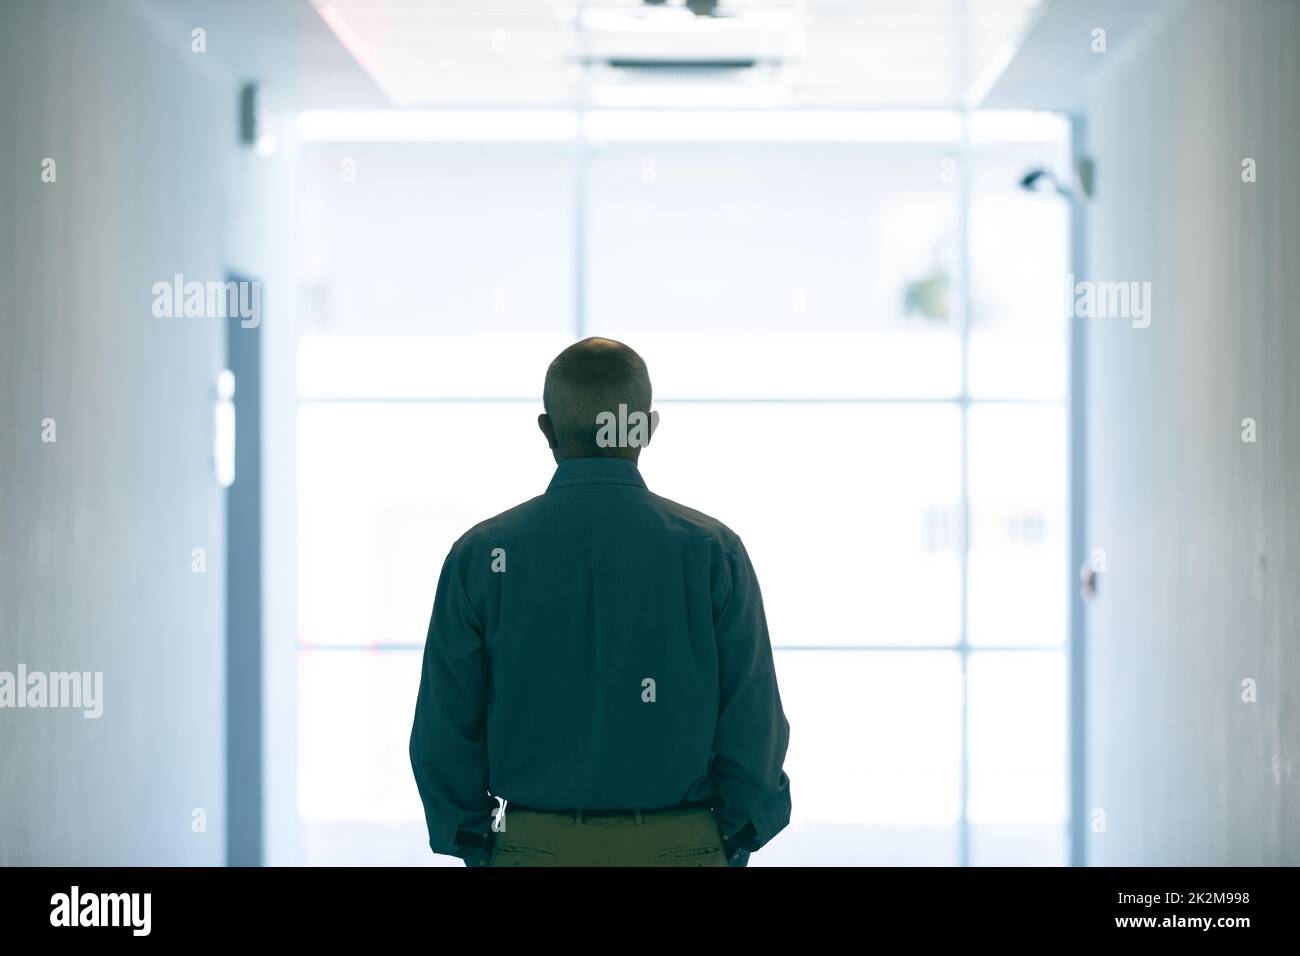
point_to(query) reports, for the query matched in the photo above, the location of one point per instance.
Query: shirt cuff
(745, 839)
(475, 847)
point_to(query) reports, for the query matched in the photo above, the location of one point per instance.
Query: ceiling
(871, 53)
(525, 53)
(494, 54)
(282, 44)
(1050, 69)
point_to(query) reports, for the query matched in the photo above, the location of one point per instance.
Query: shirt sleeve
(752, 733)
(449, 735)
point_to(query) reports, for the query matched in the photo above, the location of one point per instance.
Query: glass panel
(484, 365)
(875, 758)
(1019, 249)
(739, 270)
(355, 710)
(1018, 804)
(848, 511)
(468, 242)
(364, 843)
(383, 492)
(762, 270)
(862, 549)
(862, 795)
(1019, 575)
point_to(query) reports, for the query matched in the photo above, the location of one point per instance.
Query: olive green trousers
(647, 838)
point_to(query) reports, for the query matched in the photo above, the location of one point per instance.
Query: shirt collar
(586, 471)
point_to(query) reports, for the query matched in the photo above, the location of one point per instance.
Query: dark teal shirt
(598, 647)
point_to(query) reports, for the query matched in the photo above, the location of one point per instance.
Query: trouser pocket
(688, 838)
(526, 841)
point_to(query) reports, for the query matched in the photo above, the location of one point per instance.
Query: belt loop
(638, 818)
(578, 819)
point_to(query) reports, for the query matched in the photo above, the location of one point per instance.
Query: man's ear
(544, 423)
(654, 424)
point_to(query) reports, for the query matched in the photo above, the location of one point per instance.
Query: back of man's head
(589, 384)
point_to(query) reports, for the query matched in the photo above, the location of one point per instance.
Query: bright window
(887, 435)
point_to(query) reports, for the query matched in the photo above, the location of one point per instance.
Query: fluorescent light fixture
(687, 87)
(437, 126)
(653, 36)
(774, 126)
(673, 96)
(675, 125)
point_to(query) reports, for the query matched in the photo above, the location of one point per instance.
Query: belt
(690, 805)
